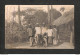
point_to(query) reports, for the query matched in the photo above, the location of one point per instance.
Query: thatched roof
(65, 18)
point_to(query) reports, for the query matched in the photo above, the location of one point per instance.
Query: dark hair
(54, 26)
(50, 27)
(30, 26)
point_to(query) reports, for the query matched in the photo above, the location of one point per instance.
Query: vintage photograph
(39, 27)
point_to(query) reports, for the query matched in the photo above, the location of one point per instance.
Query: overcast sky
(10, 8)
(44, 7)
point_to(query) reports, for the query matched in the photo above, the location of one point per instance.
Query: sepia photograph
(39, 27)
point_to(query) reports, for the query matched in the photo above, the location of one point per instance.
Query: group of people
(42, 35)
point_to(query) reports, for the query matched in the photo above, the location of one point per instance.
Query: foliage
(33, 16)
(14, 33)
(39, 16)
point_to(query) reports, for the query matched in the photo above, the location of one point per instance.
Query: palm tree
(62, 9)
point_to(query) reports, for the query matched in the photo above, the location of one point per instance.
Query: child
(45, 40)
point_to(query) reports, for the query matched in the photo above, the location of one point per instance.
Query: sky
(10, 8)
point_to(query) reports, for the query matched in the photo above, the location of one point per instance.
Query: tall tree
(19, 14)
(38, 16)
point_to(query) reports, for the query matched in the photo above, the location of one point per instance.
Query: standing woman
(30, 34)
(50, 35)
(44, 35)
(37, 34)
(55, 41)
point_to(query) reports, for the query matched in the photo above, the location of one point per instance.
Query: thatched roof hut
(65, 18)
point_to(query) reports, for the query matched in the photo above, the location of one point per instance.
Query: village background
(17, 18)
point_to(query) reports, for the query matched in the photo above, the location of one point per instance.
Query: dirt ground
(65, 45)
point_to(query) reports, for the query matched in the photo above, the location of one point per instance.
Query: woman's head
(54, 26)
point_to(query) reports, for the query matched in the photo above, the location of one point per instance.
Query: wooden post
(71, 42)
(71, 35)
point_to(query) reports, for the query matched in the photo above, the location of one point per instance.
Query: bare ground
(26, 45)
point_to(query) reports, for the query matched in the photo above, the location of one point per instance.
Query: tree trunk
(19, 14)
(48, 15)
